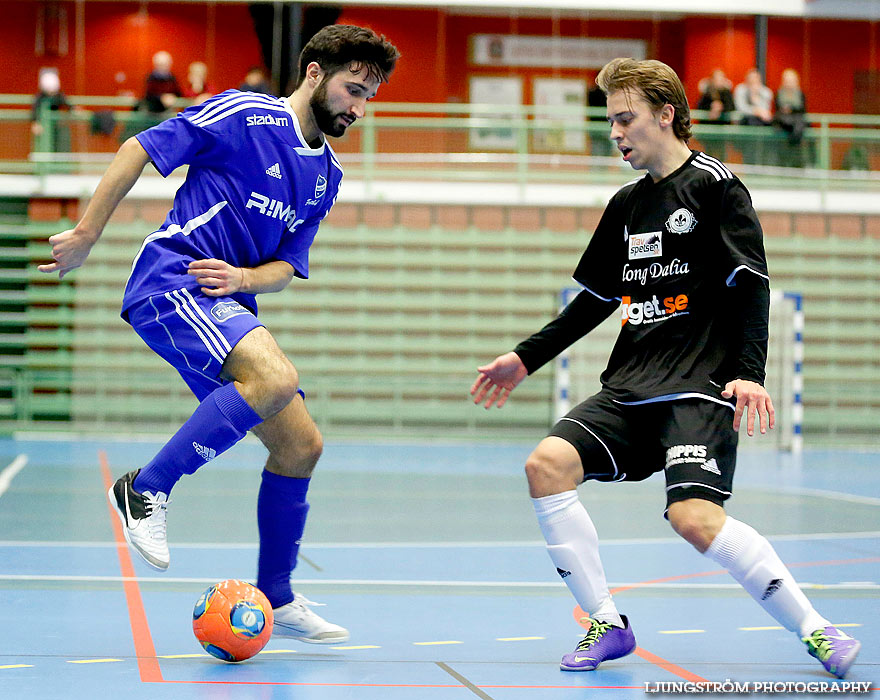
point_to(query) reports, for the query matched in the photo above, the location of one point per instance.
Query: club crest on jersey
(681, 221)
(320, 189)
(645, 245)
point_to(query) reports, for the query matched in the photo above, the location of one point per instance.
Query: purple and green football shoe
(603, 642)
(835, 649)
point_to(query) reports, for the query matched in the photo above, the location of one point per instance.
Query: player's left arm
(749, 285)
(750, 311)
(218, 278)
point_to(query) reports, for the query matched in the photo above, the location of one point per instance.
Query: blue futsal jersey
(255, 192)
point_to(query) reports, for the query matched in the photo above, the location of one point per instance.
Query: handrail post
(368, 151)
(46, 137)
(522, 153)
(824, 144)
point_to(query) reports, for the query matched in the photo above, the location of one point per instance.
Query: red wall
(434, 45)
(120, 38)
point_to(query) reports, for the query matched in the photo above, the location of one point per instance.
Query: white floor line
(831, 495)
(8, 474)
(871, 534)
(848, 585)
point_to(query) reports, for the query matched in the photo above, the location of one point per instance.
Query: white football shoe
(143, 520)
(297, 621)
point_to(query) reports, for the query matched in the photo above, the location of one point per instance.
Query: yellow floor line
(516, 639)
(681, 631)
(365, 646)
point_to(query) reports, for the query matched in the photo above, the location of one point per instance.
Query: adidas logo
(773, 586)
(562, 572)
(710, 465)
(274, 171)
(207, 453)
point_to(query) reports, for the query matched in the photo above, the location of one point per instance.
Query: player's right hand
(69, 250)
(498, 379)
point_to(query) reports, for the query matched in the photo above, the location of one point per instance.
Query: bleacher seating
(389, 330)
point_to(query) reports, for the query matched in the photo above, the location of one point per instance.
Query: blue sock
(220, 421)
(281, 518)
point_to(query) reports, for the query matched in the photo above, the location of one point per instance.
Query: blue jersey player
(261, 178)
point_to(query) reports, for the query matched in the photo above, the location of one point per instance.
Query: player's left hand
(217, 278)
(754, 397)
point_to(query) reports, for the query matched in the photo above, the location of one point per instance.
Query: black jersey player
(680, 253)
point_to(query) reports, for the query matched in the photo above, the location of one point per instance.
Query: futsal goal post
(579, 367)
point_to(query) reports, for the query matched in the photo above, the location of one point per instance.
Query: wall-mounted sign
(551, 51)
(507, 93)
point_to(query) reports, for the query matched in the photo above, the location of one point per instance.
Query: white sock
(753, 562)
(573, 546)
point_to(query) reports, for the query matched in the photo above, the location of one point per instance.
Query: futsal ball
(232, 620)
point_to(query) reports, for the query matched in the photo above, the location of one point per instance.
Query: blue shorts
(193, 333)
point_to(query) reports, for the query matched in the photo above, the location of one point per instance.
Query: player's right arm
(587, 310)
(71, 248)
(501, 376)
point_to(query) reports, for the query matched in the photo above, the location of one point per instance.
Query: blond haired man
(681, 251)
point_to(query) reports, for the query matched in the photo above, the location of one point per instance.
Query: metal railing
(471, 142)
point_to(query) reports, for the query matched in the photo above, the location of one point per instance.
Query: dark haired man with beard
(261, 178)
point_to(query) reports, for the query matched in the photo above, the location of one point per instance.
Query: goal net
(579, 367)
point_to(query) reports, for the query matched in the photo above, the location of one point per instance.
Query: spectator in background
(791, 107)
(255, 81)
(754, 101)
(197, 87)
(49, 97)
(716, 98)
(162, 87)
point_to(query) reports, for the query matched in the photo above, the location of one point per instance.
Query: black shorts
(691, 439)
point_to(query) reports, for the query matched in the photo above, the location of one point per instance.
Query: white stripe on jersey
(598, 296)
(709, 160)
(235, 109)
(708, 169)
(180, 312)
(209, 324)
(186, 229)
(333, 158)
(729, 281)
(716, 168)
(231, 101)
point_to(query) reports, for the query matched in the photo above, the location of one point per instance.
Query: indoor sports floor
(431, 556)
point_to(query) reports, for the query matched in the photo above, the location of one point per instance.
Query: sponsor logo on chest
(274, 209)
(635, 313)
(266, 120)
(654, 271)
(645, 245)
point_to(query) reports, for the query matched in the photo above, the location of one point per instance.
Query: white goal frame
(578, 368)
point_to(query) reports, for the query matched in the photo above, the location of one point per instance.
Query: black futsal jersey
(670, 251)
